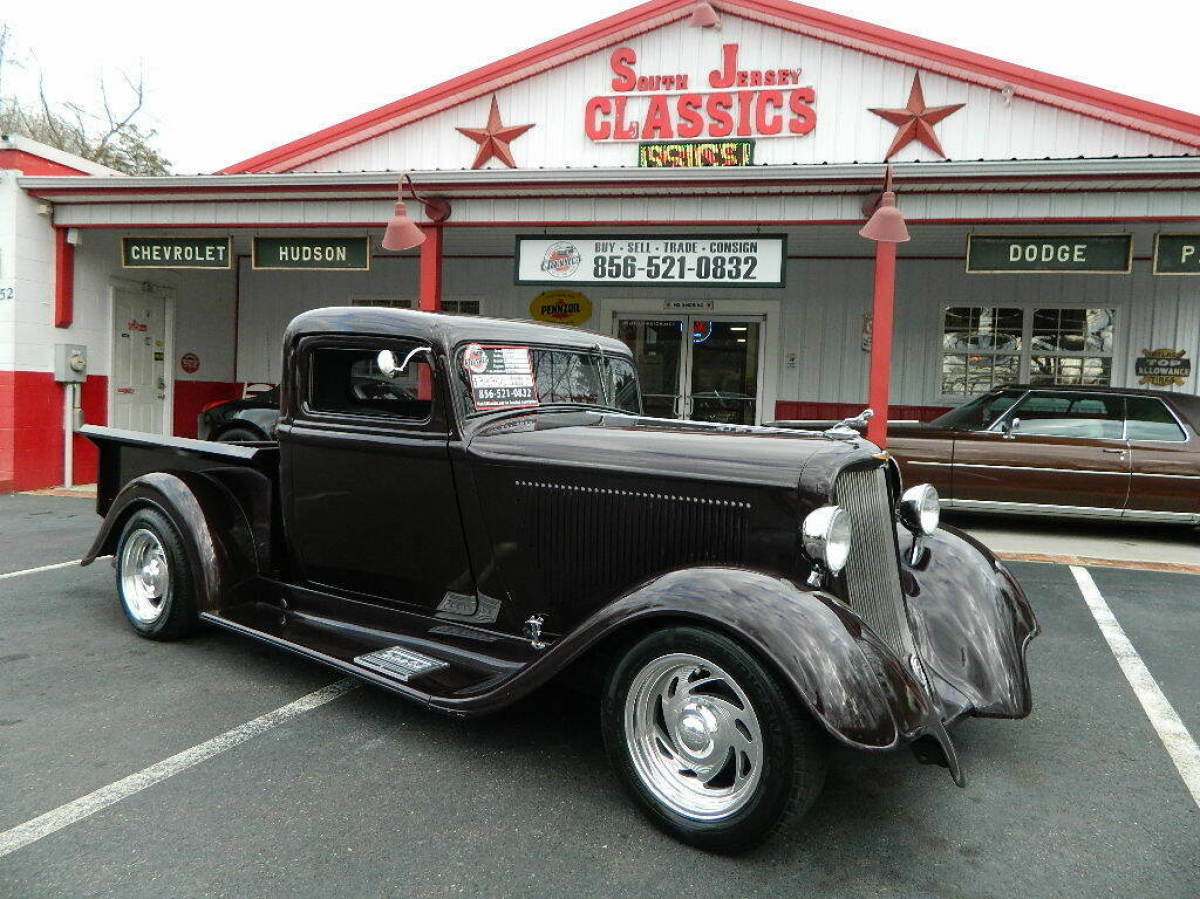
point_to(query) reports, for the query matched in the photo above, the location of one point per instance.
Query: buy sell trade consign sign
(1108, 254)
(683, 261)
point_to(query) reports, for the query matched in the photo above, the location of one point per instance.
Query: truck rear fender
(215, 531)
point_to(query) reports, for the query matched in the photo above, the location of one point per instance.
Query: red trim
(32, 164)
(431, 269)
(64, 279)
(1081, 98)
(880, 378)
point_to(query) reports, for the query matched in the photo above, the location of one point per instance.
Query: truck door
(371, 503)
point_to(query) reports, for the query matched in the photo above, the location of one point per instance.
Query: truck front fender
(850, 682)
(217, 537)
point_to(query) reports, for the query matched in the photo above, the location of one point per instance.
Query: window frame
(1025, 354)
(435, 421)
(1183, 431)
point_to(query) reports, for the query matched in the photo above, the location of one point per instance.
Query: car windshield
(560, 377)
(979, 414)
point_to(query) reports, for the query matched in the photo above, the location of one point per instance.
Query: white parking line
(65, 815)
(1175, 737)
(41, 568)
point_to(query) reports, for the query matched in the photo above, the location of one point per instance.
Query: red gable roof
(1139, 115)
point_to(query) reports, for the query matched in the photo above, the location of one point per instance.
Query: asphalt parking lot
(366, 795)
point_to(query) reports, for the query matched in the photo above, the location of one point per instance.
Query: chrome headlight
(826, 533)
(920, 509)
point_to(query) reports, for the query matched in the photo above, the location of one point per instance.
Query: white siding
(847, 83)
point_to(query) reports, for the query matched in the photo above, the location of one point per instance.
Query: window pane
(1100, 330)
(1071, 415)
(349, 381)
(1149, 419)
(954, 375)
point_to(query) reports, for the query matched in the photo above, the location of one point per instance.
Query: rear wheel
(708, 742)
(240, 434)
(154, 578)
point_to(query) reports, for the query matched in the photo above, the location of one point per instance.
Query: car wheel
(712, 747)
(240, 433)
(154, 578)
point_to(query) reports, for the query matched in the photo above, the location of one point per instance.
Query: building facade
(694, 188)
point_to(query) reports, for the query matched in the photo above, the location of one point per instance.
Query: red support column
(431, 269)
(64, 280)
(879, 383)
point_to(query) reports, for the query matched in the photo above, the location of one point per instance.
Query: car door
(1166, 461)
(1060, 449)
(365, 460)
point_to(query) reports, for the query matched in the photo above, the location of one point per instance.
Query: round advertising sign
(561, 307)
(190, 363)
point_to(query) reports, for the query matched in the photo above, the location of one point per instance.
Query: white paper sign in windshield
(501, 376)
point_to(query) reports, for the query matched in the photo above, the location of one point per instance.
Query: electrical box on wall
(70, 363)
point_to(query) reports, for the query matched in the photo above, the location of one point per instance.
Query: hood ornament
(849, 427)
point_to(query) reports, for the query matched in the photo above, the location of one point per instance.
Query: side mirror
(386, 361)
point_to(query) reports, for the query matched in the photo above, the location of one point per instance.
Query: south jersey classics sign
(686, 260)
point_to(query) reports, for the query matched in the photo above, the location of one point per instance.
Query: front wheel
(708, 742)
(154, 578)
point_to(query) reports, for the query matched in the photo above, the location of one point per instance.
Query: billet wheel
(707, 740)
(154, 578)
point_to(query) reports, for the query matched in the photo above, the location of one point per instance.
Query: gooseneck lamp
(402, 232)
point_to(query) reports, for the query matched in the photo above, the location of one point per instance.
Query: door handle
(1119, 452)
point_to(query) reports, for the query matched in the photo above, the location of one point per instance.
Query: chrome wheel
(145, 576)
(693, 737)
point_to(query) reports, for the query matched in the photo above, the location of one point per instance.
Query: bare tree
(103, 131)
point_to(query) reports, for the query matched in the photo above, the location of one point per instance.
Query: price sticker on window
(501, 376)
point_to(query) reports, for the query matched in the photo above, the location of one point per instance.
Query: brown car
(1079, 451)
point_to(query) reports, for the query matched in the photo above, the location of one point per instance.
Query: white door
(702, 367)
(139, 387)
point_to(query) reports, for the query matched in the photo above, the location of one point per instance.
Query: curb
(1088, 561)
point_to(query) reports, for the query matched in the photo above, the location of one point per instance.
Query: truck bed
(126, 455)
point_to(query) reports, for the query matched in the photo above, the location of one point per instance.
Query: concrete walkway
(1036, 539)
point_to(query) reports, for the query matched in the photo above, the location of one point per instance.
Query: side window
(1071, 415)
(1150, 419)
(348, 381)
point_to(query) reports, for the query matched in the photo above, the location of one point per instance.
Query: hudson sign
(649, 105)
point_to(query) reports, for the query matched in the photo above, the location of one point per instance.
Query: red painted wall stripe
(64, 280)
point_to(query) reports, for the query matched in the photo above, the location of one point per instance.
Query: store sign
(176, 252)
(1177, 254)
(560, 307)
(696, 154)
(1086, 253)
(340, 253)
(1163, 368)
(646, 104)
(683, 261)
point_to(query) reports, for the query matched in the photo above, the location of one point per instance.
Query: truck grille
(873, 569)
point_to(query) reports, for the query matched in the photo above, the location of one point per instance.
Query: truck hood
(728, 454)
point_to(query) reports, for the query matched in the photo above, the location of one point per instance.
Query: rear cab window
(1148, 418)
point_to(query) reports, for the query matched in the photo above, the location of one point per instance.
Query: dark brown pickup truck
(459, 510)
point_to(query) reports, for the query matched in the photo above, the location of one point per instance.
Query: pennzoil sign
(561, 307)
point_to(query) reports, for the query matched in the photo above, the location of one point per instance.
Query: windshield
(560, 377)
(979, 414)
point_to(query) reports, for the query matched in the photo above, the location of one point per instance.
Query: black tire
(793, 747)
(174, 613)
(241, 433)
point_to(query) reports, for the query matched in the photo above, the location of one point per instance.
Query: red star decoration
(916, 121)
(493, 138)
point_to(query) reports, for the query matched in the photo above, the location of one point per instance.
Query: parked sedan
(1079, 451)
(250, 419)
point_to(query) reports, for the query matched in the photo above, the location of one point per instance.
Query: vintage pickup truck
(460, 509)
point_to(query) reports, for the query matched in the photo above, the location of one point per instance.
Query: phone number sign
(683, 261)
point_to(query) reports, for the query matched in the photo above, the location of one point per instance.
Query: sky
(227, 80)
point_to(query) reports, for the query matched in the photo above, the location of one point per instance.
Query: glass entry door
(705, 368)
